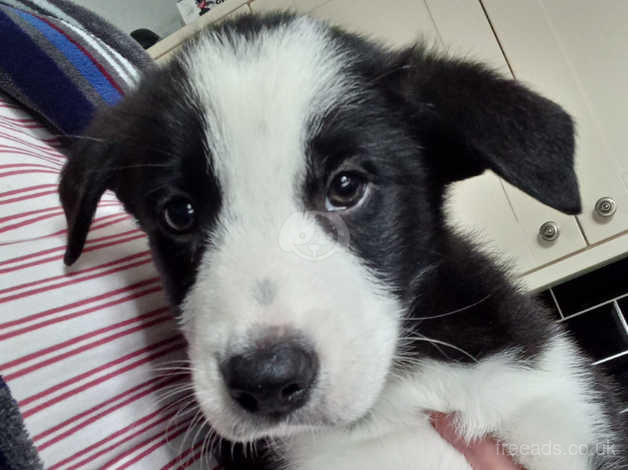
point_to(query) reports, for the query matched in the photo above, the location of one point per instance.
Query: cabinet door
(395, 22)
(301, 6)
(575, 52)
(271, 5)
(465, 31)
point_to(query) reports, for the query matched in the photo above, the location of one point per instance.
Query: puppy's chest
(416, 447)
(523, 406)
(399, 433)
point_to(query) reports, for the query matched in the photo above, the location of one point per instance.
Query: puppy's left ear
(87, 174)
(470, 119)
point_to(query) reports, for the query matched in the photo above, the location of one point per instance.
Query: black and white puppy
(290, 177)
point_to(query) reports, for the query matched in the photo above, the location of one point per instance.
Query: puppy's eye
(178, 215)
(346, 190)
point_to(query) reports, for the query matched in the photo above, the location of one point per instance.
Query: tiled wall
(594, 307)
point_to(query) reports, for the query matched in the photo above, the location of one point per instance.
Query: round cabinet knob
(605, 206)
(549, 231)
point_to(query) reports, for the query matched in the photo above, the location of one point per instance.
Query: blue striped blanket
(63, 61)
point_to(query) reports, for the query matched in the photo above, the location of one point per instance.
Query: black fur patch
(148, 149)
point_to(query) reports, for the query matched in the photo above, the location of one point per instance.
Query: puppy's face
(289, 177)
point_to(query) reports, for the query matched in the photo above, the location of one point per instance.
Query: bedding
(83, 350)
(63, 62)
(92, 367)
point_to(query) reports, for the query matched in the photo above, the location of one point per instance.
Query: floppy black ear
(85, 177)
(471, 119)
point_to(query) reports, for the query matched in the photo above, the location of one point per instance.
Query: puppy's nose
(272, 380)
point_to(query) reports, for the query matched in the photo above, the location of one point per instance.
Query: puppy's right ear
(470, 119)
(88, 173)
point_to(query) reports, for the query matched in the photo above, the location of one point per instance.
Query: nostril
(246, 401)
(291, 391)
(273, 379)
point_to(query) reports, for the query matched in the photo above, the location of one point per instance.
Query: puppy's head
(290, 178)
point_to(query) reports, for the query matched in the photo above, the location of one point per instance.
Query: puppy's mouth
(233, 423)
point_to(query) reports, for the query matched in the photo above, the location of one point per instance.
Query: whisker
(174, 390)
(140, 165)
(172, 373)
(390, 72)
(438, 348)
(452, 312)
(400, 360)
(130, 142)
(443, 343)
(196, 418)
(176, 403)
(178, 377)
(202, 422)
(205, 442)
(175, 368)
(175, 399)
(213, 442)
(79, 137)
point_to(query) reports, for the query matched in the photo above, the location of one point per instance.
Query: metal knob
(549, 231)
(605, 206)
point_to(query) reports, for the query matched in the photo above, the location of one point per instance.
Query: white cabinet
(478, 204)
(301, 6)
(574, 51)
(271, 5)
(396, 22)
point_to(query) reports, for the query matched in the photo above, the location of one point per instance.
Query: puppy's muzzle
(272, 380)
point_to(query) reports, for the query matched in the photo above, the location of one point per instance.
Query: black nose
(272, 380)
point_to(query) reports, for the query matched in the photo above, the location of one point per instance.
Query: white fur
(549, 404)
(261, 100)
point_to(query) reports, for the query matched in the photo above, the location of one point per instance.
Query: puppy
(290, 177)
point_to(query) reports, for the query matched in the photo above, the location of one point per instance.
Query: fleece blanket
(62, 61)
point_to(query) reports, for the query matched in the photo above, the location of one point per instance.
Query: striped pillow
(79, 348)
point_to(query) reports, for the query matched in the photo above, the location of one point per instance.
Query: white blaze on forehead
(261, 97)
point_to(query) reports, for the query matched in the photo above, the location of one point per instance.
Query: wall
(160, 16)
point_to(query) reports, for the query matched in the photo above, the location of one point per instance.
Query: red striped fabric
(83, 349)
(142, 389)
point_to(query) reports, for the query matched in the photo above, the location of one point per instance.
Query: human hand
(484, 454)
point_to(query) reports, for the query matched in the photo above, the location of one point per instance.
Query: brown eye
(345, 191)
(178, 215)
